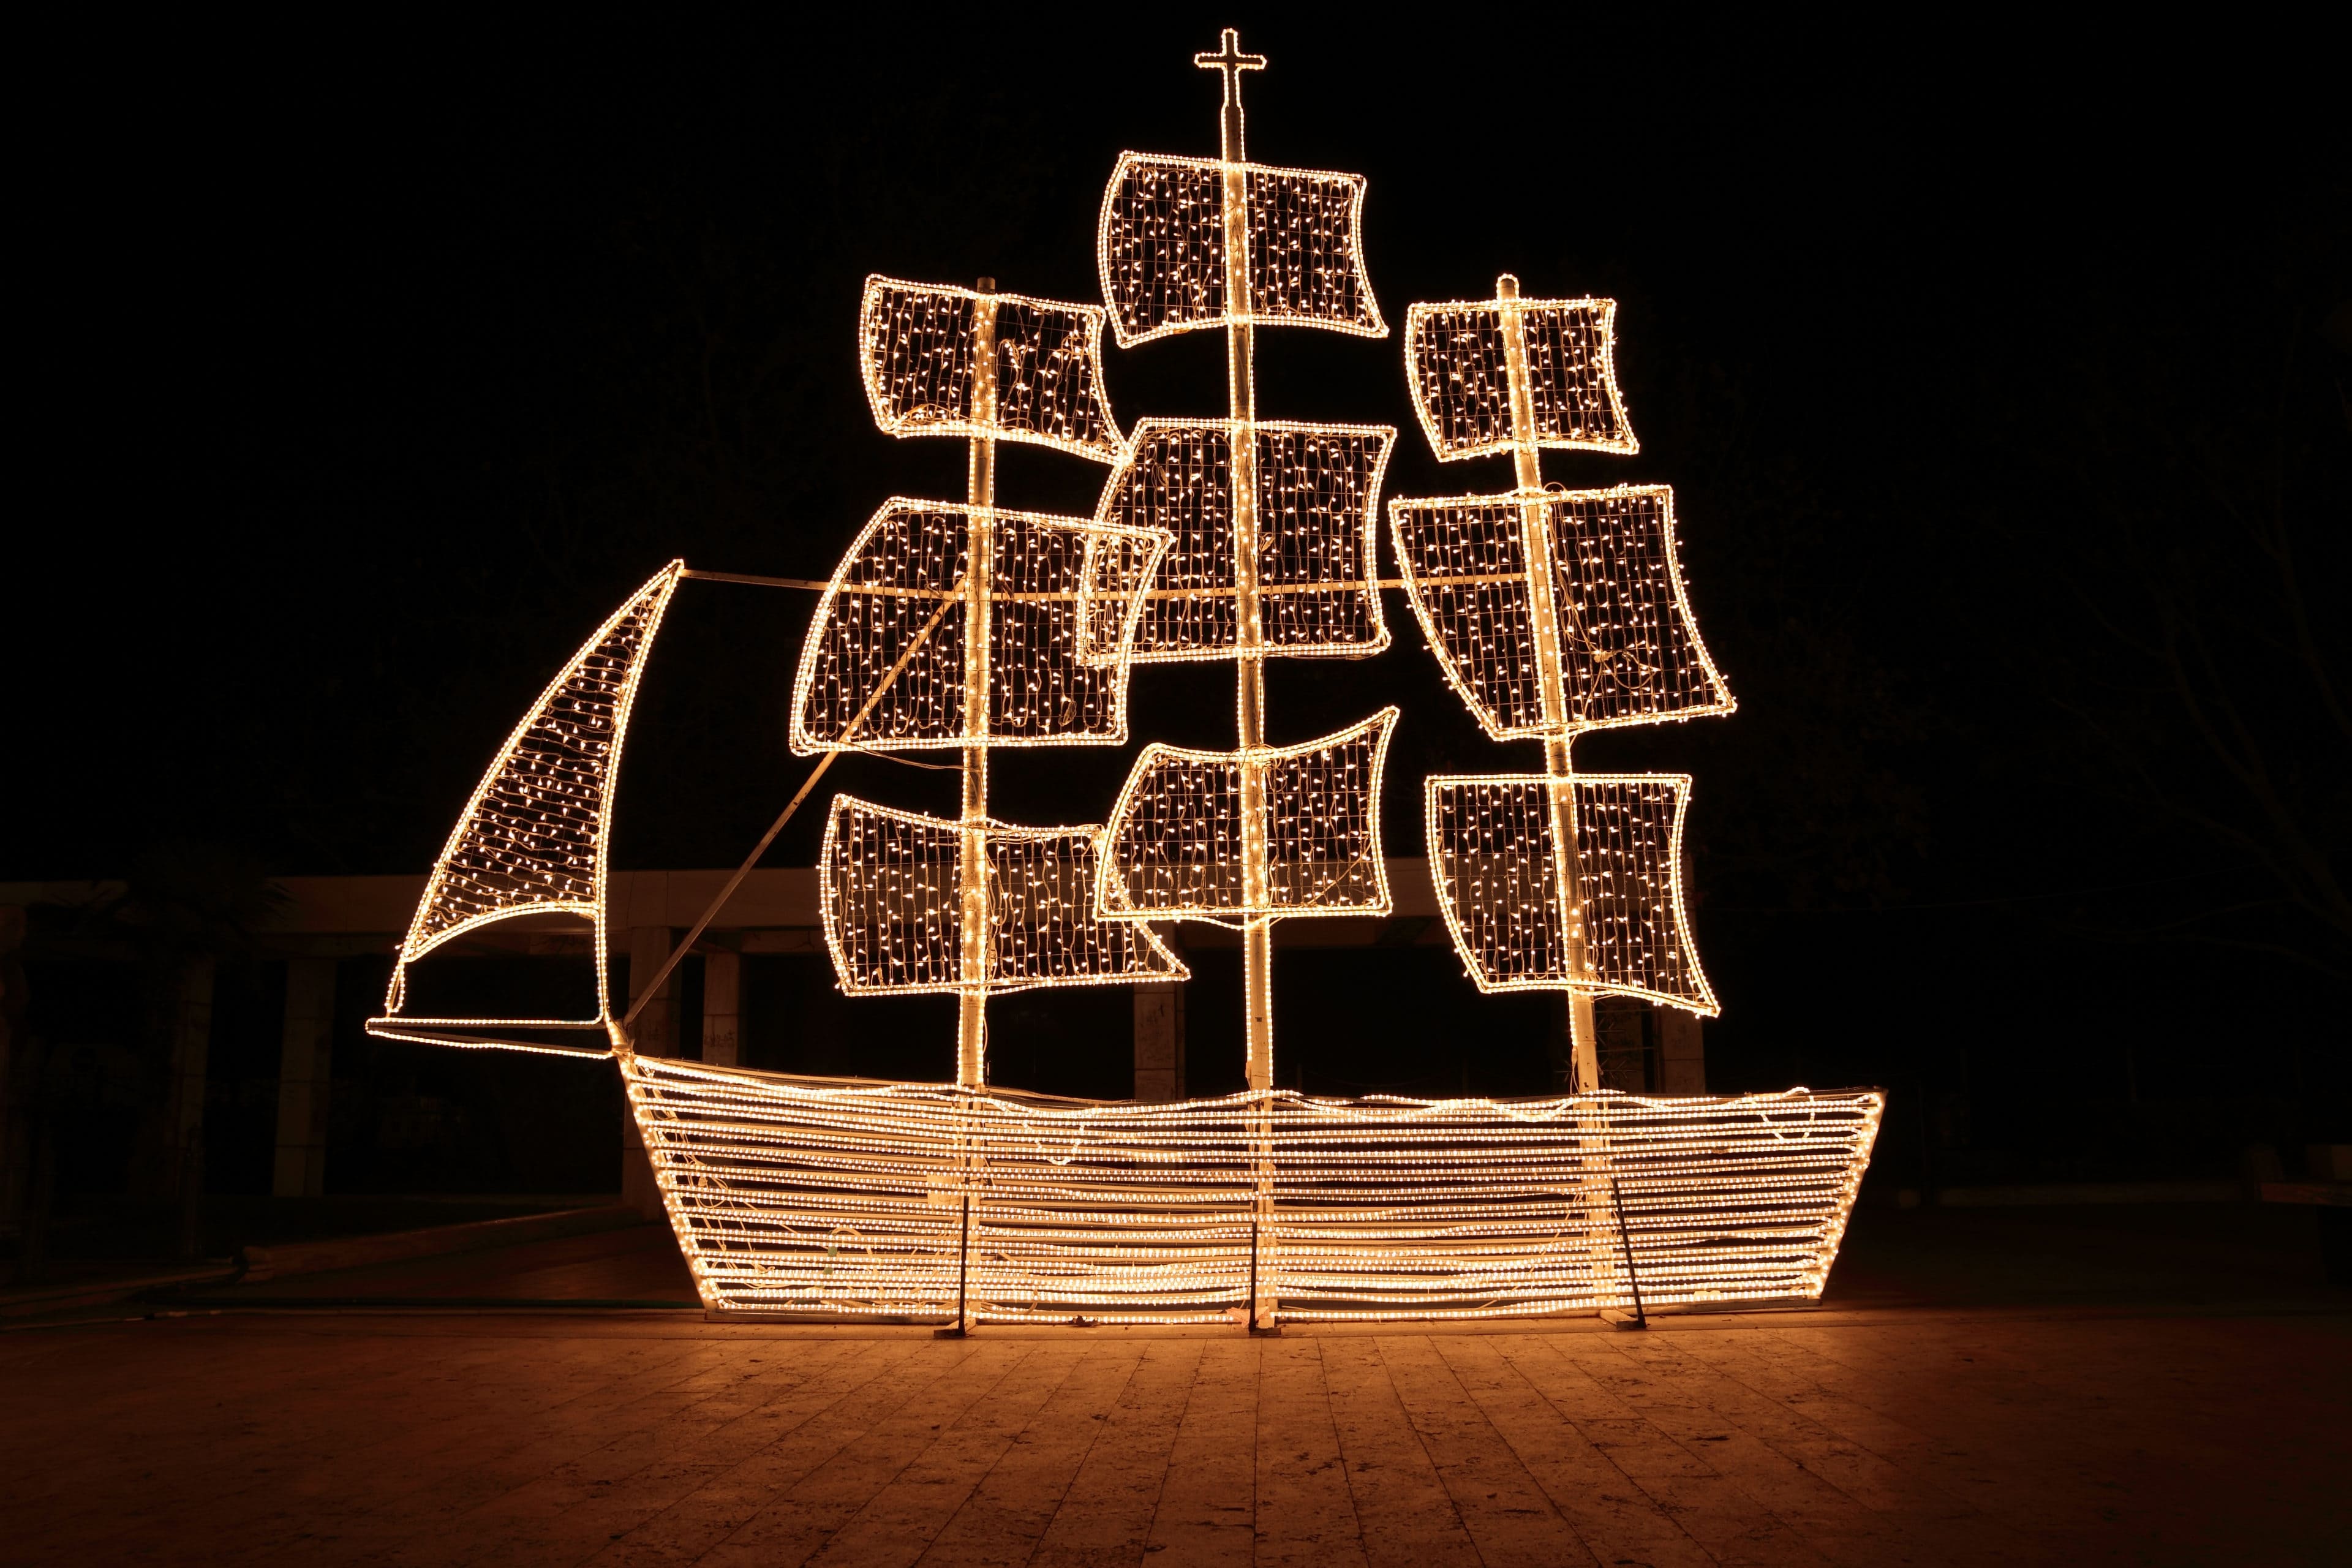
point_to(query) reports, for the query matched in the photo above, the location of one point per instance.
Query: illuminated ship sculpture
(968, 627)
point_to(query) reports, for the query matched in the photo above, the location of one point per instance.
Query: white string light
(1317, 563)
(1062, 610)
(920, 350)
(1491, 853)
(1163, 248)
(1180, 846)
(890, 881)
(1456, 366)
(1630, 651)
(1552, 612)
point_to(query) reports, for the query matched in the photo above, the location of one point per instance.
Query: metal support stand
(1641, 1320)
(963, 1325)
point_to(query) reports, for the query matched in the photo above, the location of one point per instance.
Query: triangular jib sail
(923, 346)
(1629, 651)
(1492, 853)
(532, 839)
(894, 883)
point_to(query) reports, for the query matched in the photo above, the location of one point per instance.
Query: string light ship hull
(851, 1201)
(983, 631)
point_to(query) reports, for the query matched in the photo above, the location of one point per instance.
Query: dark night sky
(383, 367)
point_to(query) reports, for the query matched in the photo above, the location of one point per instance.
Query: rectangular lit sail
(1162, 248)
(1491, 853)
(1629, 649)
(1318, 495)
(892, 886)
(1062, 608)
(1178, 845)
(920, 348)
(1456, 356)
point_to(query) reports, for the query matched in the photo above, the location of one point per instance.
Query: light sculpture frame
(967, 1202)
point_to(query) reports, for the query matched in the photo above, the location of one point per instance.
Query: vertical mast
(979, 494)
(1241, 407)
(1543, 592)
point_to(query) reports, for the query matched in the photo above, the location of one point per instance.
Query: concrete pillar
(1623, 1027)
(192, 1035)
(657, 1036)
(1682, 1052)
(656, 1026)
(1159, 1041)
(304, 1068)
(722, 1008)
(16, 1118)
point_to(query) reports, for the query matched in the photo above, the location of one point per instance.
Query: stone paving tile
(1899, 1436)
(800, 1521)
(1007, 1514)
(1207, 1511)
(1305, 1509)
(775, 1448)
(1503, 1507)
(1610, 1514)
(1406, 1517)
(1107, 1508)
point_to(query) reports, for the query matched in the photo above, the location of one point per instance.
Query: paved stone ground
(1877, 1436)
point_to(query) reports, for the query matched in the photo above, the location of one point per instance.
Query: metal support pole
(979, 494)
(1249, 681)
(1535, 528)
(963, 1324)
(1625, 1238)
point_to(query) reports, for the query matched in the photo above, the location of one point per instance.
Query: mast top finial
(1230, 60)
